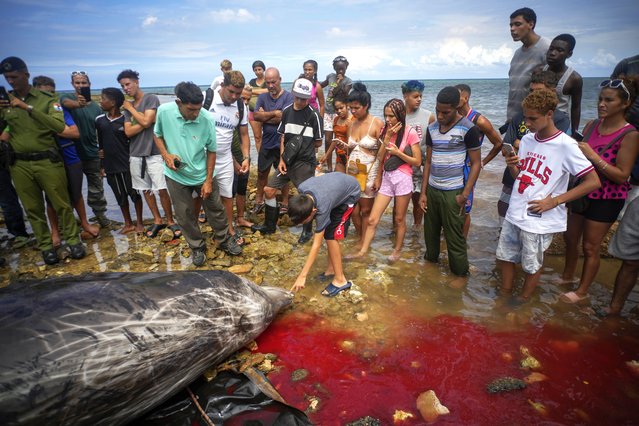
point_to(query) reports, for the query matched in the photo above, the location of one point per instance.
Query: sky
(172, 41)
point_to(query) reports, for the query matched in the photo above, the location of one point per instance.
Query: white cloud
(456, 52)
(397, 63)
(604, 59)
(363, 59)
(336, 32)
(230, 15)
(149, 21)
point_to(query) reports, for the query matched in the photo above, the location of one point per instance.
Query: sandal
(153, 230)
(177, 231)
(257, 209)
(572, 297)
(332, 290)
(239, 239)
(202, 217)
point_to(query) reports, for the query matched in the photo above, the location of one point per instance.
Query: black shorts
(603, 210)
(267, 158)
(122, 187)
(340, 220)
(240, 182)
(297, 173)
(75, 176)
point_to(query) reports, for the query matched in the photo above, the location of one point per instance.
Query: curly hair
(541, 101)
(399, 110)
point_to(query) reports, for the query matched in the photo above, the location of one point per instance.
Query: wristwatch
(29, 109)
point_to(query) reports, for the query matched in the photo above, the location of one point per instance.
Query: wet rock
(347, 345)
(539, 407)
(505, 384)
(144, 254)
(430, 407)
(528, 361)
(241, 269)
(299, 374)
(166, 235)
(220, 262)
(313, 404)
(361, 316)
(365, 421)
(535, 377)
(401, 416)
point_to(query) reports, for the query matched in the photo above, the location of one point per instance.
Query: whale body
(105, 348)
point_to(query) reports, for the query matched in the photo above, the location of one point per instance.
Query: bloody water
(588, 381)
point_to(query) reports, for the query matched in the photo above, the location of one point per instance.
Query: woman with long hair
(317, 94)
(364, 144)
(612, 145)
(399, 153)
(341, 130)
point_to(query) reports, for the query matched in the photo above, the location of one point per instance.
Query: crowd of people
(194, 154)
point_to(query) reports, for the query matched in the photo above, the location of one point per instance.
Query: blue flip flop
(332, 290)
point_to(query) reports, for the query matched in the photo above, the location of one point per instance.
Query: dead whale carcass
(104, 348)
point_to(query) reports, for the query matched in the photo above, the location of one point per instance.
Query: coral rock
(429, 406)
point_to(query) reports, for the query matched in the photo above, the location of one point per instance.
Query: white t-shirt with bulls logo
(546, 165)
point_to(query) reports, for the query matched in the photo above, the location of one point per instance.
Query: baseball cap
(12, 63)
(302, 88)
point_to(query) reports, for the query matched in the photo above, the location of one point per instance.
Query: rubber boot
(307, 233)
(271, 214)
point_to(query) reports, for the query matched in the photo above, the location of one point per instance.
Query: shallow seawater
(424, 329)
(419, 328)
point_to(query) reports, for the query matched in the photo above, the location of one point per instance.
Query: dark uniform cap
(12, 63)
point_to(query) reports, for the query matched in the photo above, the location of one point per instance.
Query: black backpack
(208, 100)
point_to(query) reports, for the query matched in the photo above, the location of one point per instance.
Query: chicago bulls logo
(524, 182)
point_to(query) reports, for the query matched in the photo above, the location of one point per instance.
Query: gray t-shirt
(524, 61)
(332, 84)
(142, 144)
(419, 121)
(329, 191)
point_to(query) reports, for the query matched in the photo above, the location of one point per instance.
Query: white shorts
(328, 121)
(224, 174)
(153, 175)
(519, 246)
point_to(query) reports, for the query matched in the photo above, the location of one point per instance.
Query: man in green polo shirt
(34, 118)
(185, 136)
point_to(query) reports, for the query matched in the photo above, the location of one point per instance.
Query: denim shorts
(519, 246)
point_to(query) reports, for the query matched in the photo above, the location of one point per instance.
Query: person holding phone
(34, 118)
(84, 112)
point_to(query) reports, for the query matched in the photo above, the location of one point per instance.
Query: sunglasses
(78, 73)
(340, 59)
(615, 84)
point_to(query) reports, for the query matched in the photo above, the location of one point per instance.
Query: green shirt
(189, 140)
(35, 132)
(84, 118)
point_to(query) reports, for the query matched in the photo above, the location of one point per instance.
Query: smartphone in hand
(86, 93)
(508, 149)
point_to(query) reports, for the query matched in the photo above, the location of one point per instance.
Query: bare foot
(395, 255)
(244, 223)
(565, 281)
(127, 229)
(92, 230)
(355, 255)
(139, 228)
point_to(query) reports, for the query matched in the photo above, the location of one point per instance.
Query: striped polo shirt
(449, 151)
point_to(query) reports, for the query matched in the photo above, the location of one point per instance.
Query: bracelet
(556, 201)
(604, 167)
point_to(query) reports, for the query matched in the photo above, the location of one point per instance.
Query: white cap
(302, 88)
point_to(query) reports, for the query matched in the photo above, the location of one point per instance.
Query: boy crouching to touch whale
(329, 199)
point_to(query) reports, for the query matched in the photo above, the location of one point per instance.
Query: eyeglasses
(615, 84)
(78, 73)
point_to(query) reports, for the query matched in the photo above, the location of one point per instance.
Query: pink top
(609, 190)
(410, 138)
(313, 99)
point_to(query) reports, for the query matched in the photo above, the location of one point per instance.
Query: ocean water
(489, 96)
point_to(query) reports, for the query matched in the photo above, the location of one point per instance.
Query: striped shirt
(449, 152)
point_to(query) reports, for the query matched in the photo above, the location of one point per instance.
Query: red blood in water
(457, 359)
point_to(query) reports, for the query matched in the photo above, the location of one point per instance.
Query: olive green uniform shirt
(35, 132)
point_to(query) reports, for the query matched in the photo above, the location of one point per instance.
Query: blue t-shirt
(270, 137)
(67, 146)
